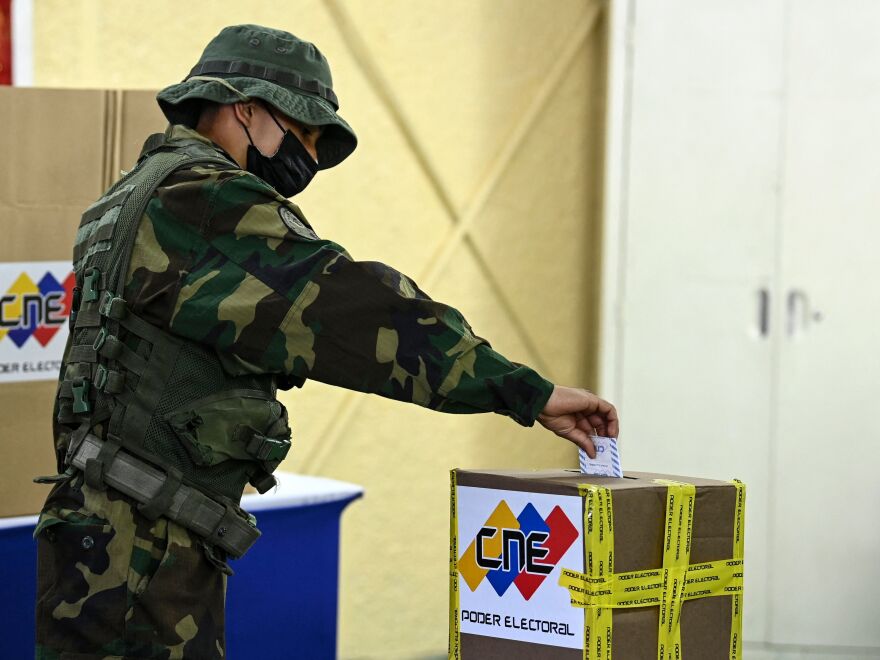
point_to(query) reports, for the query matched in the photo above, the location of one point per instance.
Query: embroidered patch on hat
(293, 223)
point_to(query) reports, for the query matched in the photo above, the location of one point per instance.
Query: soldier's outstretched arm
(270, 296)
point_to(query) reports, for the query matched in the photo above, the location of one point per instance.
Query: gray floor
(768, 652)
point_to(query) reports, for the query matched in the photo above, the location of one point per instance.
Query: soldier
(201, 289)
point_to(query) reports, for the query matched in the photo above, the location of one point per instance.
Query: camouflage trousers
(113, 585)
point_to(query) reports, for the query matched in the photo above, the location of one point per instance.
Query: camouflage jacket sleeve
(271, 297)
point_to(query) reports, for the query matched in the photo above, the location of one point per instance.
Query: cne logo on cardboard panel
(33, 310)
(517, 550)
(515, 543)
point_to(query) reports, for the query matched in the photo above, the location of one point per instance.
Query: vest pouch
(220, 427)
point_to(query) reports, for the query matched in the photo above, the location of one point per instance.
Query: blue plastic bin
(282, 600)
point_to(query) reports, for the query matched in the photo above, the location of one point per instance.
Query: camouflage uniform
(112, 584)
(222, 259)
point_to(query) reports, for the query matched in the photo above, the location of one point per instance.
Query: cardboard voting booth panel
(61, 148)
(561, 565)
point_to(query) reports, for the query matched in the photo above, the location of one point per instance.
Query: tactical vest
(147, 412)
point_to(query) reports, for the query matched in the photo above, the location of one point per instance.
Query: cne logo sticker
(517, 549)
(35, 301)
(35, 309)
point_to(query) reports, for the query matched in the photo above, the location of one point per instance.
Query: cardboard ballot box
(560, 565)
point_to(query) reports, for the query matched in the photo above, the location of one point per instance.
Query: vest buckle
(100, 374)
(80, 390)
(269, 450)
(99, 340)
(91, 286)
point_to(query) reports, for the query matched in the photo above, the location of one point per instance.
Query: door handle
(763, 312)
(799, 313)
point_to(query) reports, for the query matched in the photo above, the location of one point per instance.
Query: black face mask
(289, 170)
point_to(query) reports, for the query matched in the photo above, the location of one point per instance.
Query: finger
(612, 423)
(582, 440)
(584, 424)
(598, 423)
(588, 446)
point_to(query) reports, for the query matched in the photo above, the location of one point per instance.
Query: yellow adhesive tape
(454, 630)
(645, 588)
(676, 556)
(738, 549)
(716, 578)
(599, 562)
(620, 590)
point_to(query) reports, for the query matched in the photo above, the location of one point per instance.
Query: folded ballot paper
(607, 461)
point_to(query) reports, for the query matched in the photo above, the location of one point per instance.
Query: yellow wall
(478, 174)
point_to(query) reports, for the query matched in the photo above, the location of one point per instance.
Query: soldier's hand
(575, 414)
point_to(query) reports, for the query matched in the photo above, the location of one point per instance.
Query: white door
(826, 495)
(699, 237)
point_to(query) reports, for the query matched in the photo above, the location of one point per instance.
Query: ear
(244, 111)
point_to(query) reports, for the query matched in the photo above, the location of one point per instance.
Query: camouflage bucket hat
(246, 62)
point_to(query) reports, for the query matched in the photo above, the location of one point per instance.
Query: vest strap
(82, 353)
(107, 380)
(75, 439)
(137, 326)
(217, 522)
(263, 481)
(87, 318)
(96, 467)
(115, 382)
(114, 349)
(65, 413)
(74, 307)
(113, 307)
(100, 207)
(110, 347)
(161, 501)
(152, 143)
